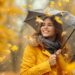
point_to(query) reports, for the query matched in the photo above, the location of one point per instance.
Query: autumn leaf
(6, 37)
(38, 19)
(14, 48)
(15, 11)
(52, 4)
(66, 1)
(64, 33)
(9, 45)
(58, 19)
(2, 59)
(5, 33)
(59, 4)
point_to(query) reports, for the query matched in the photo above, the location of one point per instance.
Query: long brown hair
(59, 30)
(57, 25)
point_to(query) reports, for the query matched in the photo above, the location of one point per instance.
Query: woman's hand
(58, 52)
(52, 60)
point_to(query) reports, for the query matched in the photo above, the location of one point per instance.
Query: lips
(45, 31)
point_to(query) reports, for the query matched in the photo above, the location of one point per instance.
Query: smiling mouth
(45, 31)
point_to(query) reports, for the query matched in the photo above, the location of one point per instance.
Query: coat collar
(44, 51)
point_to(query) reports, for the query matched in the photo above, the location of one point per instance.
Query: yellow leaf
(4, 52)
(52, 4)
(24, 6)
(66, 1)
(2, 59)
(15, 11)
(14, 48)
(58, 19)
(5, 33)
(64, 33)
(9, 45)
(47, 14)
(59, 4)
(5, 37)
(38, 19)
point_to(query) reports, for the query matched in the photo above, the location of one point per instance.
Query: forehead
(47, 20)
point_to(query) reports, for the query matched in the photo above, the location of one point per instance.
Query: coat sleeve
(63, 66)
(29, 67)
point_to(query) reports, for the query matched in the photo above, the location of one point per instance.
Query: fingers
(58, 52)
(52, 59)
(53, 62)
(53, 56)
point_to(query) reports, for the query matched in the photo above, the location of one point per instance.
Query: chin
(46, 35)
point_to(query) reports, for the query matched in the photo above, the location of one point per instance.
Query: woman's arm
(29, 67)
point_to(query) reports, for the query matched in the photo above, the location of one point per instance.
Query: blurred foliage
(10, 42)
(67, 5)
(8, 36)
(7, 8)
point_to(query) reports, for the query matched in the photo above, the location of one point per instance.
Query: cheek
(41, 29)
(52, 30)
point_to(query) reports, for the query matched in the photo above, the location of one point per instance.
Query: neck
(51, 38)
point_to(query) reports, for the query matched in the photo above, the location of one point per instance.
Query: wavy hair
(59, 30)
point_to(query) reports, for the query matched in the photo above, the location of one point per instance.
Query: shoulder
(29, 49)
(33, 41)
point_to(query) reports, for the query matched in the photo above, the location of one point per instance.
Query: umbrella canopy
(67, 19)
(31, 18)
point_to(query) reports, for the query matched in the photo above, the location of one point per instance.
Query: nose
(45, 26)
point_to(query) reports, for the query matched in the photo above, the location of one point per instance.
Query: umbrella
(68, 22)
(31, 17)
(67, 18)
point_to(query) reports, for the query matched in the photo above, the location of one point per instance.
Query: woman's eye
(45, 24)
(50, 25)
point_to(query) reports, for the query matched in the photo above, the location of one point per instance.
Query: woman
(44, 55)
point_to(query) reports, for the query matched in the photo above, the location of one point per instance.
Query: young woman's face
(47, 28)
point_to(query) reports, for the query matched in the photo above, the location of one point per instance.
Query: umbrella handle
(68, 38)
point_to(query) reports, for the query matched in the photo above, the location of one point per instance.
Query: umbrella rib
(68, 38)
(33, 17)
(30, 18)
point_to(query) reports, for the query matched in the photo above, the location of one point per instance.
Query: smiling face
(47, 28)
